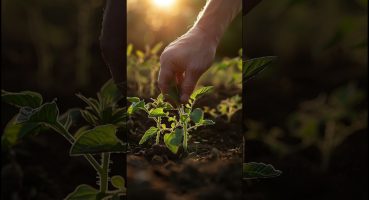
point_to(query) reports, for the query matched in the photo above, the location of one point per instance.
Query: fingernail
(184, 98)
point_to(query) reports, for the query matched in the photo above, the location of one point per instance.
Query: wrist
(211, 36)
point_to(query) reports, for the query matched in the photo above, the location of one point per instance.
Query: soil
(211, 170)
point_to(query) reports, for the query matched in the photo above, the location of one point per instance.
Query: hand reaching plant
(187, 58)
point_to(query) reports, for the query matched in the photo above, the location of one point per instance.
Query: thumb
(188, 84)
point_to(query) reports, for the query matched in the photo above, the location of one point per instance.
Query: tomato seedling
(173, 122)
(97, 139)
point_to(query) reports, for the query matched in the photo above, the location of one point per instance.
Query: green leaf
(135, 106)
(133, 99)
(92, 103)
(110, 92)
(81, 130)
(148, 134)
(47, 113)
(173, 140)
(255, 170)
(118, 182)
(207, 122)
(140, 54)
(14, 132)
(98, 140)
(184, 117)
(157, 112)
(119, 116)
(197, 115)
(168, 106)
(129, 49)
(106, 115)
(83, 192)
(200, 92)
(254, 66)
(156, 48)
(22, 99)
(89, 117)
(70, 117)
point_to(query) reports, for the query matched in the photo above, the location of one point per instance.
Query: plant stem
(65, 133)
(184, 125)
(185, 137)
(158, 124)
(104, 175)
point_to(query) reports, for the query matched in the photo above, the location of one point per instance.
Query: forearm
(113, 39)
(216, 16)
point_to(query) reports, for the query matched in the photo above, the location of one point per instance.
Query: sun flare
(163, 3)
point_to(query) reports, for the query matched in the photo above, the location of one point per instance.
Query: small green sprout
(174, 123)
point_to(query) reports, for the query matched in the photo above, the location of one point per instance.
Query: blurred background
(52, 47)
(154, 21)
(307, 113)
(153, 24)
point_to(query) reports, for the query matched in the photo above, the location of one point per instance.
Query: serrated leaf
(173, 140)
(255, 170)
(197, 115)
(81, 130)
(133, 99)
(168, 106)
(93, 104)
(47, 113)
(83, 192)
(110, 92)
(90, 118)
(13, 132)
(22, 99)
(69, 117)
(200, 92)
(135, 106)
(253, 66)
(148, 134)
(98, 140)
(207, 122)
(157, 112)
(118, 182)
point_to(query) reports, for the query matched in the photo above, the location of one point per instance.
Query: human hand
(184, 61)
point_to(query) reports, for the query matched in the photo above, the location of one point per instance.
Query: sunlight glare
(163, 3)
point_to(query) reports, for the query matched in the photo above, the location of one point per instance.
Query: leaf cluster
(174, 122)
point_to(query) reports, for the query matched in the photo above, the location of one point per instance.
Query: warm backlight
(163, 3)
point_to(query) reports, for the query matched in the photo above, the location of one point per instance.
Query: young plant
(139, 64)
(253, 170)
(328, 120)
(227, 107)
(98, 139)
(174, 123)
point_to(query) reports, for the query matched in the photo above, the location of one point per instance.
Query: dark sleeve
(248, 5)
(113, 40)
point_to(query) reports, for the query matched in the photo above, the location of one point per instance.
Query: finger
(188, 84)
(166, 76)
(179, 78)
